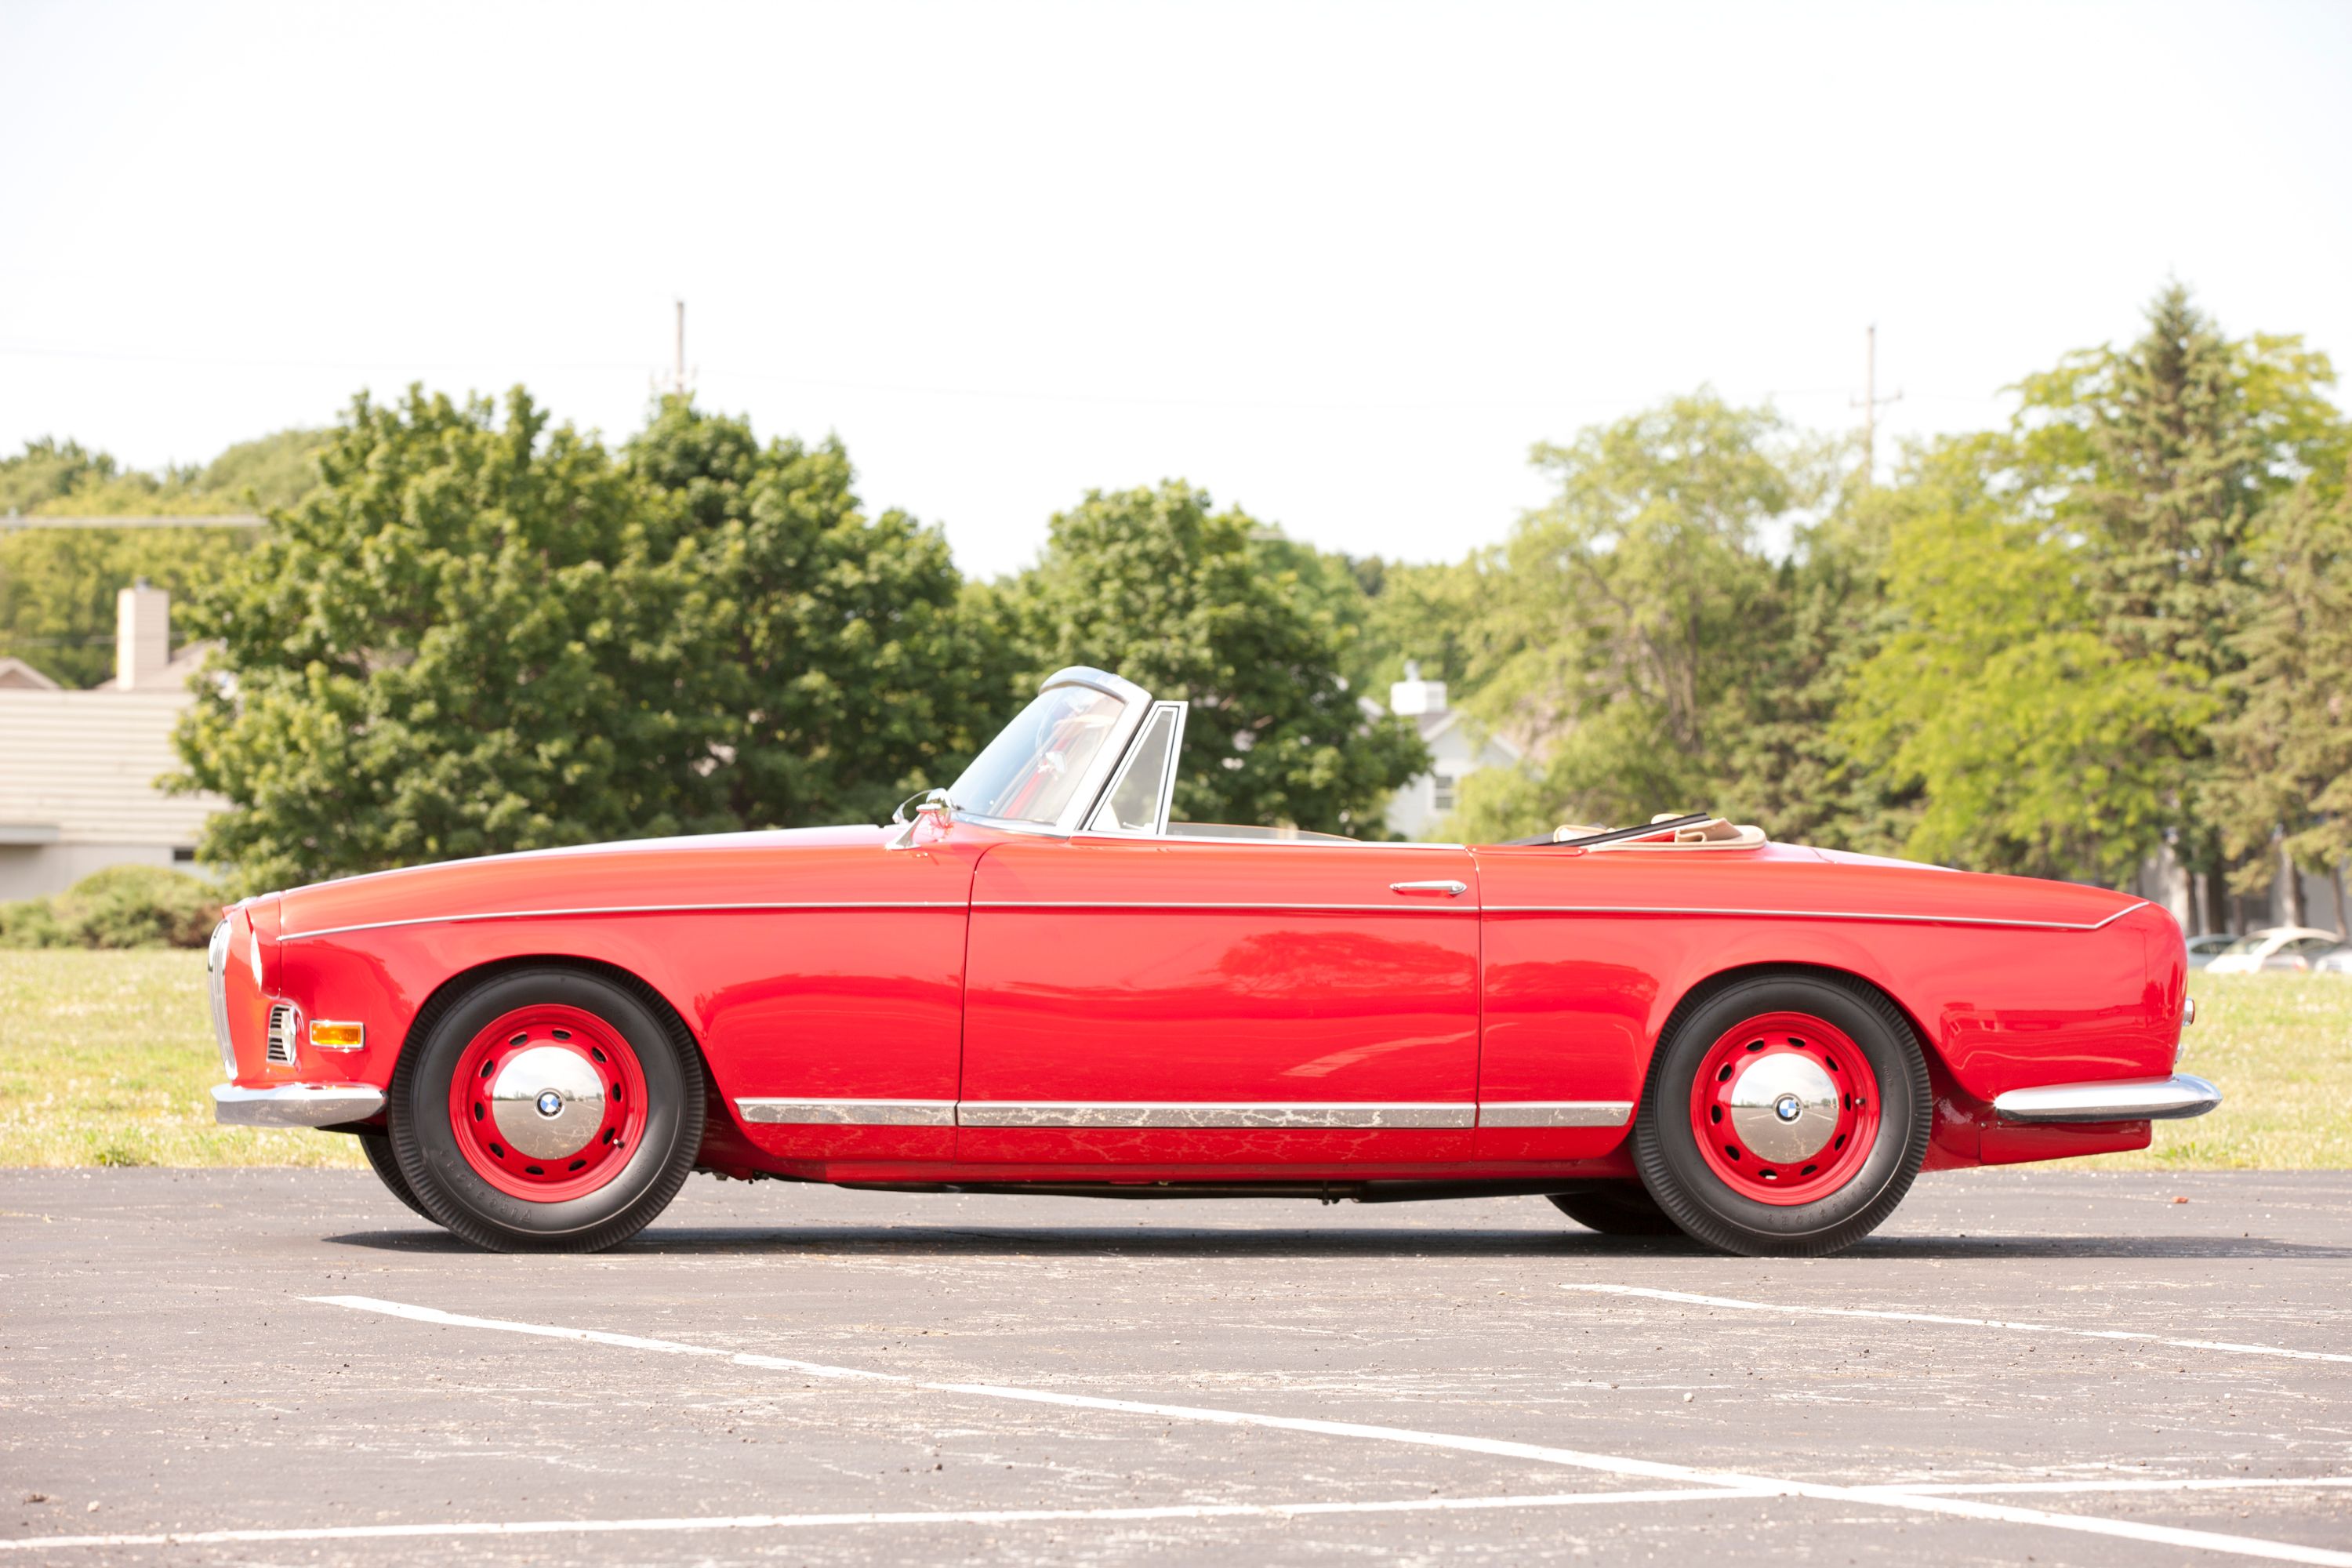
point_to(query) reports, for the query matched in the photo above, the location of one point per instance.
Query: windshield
(1030, 771)
(2245, 945)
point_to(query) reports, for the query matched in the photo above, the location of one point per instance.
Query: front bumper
(2125, 1100)
(295, 1104)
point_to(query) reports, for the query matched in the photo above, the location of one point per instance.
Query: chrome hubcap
(548, 1102)
(1785, 1107)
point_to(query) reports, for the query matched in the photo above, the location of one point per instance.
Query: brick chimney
(142, 636)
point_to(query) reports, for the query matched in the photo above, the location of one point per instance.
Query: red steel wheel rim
(1785, 1108)
(548, 1102)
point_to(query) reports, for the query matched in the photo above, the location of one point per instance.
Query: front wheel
(547, 1110)
(377, 1147)
(1784, 1115)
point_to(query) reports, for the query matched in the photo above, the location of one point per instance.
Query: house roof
(80, 767)
(1442, 721)
(15, 675)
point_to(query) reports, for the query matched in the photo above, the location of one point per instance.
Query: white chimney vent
(1412, 697)
(142, 636)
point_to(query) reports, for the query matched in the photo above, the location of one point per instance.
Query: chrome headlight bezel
(216, 981)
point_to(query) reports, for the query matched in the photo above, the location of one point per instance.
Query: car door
(1173, 1002)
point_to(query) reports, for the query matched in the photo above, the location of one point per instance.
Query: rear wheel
(1785, 1114)
(547, 1110)
(1630, 1212)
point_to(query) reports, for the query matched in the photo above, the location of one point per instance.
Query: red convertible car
(1035, 981)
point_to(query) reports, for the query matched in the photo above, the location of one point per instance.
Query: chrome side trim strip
(2128, 1099)
(295, 1104)
(1141, 1113)
(849, 1113)
(851, 904)
(1808, 915)
(1162, 906)
(1145, 1113)
(1555, 1113)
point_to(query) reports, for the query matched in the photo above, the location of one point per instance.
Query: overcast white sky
(1341, 264)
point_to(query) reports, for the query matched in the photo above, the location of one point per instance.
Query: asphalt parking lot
(288, 1367)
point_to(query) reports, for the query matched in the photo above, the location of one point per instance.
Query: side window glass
(1133, 804)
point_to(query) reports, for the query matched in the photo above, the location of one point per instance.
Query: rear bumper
(295, 1104)
(2125, 1100)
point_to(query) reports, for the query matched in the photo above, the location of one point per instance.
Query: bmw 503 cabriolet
(1034, 982)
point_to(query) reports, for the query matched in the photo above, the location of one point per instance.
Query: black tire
(454, 1196)
(1631, 1212)
(1706, 1208)
(377, 1147)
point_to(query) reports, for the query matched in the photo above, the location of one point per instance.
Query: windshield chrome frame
(1135, 709)
(1166, 786)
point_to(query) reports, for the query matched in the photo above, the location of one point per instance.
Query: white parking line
(1610, 1464)
(2134, 1484)
(1736, 1305)
(1084, 1515)
(821, 1521)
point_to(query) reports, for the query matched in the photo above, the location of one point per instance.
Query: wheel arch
(456, 986)
(1697, 993)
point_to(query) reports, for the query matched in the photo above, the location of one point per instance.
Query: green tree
(2161, 459)
(1632, 624)
(474, 636)
(2285, 753)
(2035, 745)
(2125, 497)
(837, 661)
(57, 588)
(1215, 608)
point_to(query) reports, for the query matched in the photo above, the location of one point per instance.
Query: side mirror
(933, 804)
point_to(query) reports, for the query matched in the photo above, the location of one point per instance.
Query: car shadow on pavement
(1180, 1241)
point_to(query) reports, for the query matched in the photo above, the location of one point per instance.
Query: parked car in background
(2204, 949)
(2335, 961)
(2288, 948)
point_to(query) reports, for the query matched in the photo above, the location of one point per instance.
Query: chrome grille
(216, 972)
(281, 1034)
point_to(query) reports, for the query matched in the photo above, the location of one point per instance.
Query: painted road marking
(1075, 1515)
(821, 1521)
(2136, 1484)
(1608, 1464)
(1735, 1304)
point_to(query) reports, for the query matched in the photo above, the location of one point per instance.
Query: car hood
(713, 869)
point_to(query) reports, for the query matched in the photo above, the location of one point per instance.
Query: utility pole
(676, 383)
(1871, 404)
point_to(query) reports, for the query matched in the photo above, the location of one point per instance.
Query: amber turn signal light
(326, 1036)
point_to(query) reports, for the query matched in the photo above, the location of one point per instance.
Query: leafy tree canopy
(834, 655)
(472, 638)
(1216, 608)
(1636, 623)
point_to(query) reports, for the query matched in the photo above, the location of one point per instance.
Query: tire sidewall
(456, 1194)
(1676, 1172)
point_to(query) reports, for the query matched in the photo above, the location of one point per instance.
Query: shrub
(122, 906)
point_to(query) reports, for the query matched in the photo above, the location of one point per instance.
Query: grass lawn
(105, 1059)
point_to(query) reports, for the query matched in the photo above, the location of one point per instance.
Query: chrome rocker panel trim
(848, 1112)
(2127, 1099)
(295, 1104)
(1209, 1113)
(1320, 1115)
(1555, 1113)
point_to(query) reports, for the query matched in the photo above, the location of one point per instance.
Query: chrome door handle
(1451, 890)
